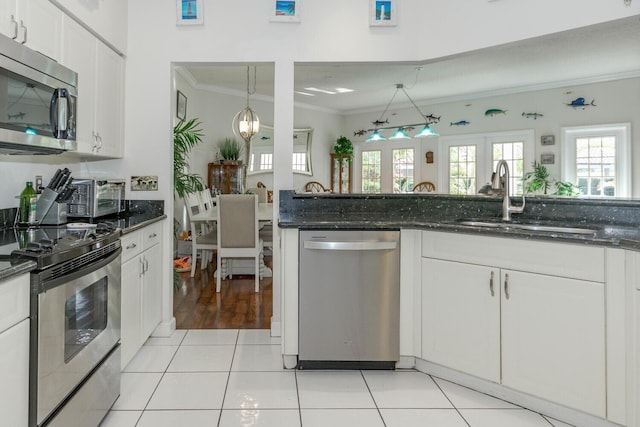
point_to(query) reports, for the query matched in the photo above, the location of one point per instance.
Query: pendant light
(401, 131)
(246, 123)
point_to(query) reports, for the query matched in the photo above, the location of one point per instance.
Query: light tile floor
(230, 378)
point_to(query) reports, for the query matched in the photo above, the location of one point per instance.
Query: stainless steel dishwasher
(349, 299)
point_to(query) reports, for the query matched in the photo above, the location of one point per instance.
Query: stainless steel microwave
(93, 198)
(38, 102)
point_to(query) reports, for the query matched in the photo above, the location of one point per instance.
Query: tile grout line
(450, 401)
(226, 386)
(372, 397)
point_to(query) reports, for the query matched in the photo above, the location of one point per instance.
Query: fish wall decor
(493, 111)
(360, 132)
(533, 116)
(460, 123)
(431, 119)
(580, 103)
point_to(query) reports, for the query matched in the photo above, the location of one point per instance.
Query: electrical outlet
(38, 184)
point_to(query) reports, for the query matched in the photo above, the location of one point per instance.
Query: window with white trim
(386, 166)
(469, 160)
(598, 159)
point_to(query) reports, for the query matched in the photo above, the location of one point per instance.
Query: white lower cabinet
(507, 315)
(141, 288)
(14, 351)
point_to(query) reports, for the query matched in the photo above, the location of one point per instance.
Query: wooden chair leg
(219, 278)
(257, 274)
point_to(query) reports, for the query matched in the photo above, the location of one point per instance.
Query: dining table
(240, 266)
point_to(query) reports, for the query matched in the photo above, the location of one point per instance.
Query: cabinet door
(152, 290)
(131, 333)
(14, 371)
(461, 317)
(43, 22)
(109, 98)
(79, 54)
(553, 339)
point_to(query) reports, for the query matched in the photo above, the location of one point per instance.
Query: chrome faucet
(497, 183)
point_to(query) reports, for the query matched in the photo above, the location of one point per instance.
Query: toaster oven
(93, 198)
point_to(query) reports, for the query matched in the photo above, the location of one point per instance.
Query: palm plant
(186, 135)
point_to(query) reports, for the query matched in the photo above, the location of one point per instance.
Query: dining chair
(203, 238)
(261, 192)
(424, 187)
(260, 184)
(238, 234)
(315, 187)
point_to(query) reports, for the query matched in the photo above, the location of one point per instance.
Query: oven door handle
(40, 287)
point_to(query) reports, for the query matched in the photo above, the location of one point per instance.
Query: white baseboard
(165, 329)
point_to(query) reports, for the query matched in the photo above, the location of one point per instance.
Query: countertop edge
(143, 224)
(22, 267)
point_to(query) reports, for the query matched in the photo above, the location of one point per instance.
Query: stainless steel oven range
(75, 323)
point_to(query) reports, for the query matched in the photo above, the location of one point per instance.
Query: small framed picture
(189, 12)
(144, 183)
(383, 13)
(547, 159)
(547, 140)
(286, 11)
(181, 106)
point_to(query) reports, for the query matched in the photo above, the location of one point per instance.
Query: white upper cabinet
(100, 91)
(106, 19)
(34, 23)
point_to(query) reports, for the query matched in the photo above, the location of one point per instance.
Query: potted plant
(230, 150)
(345, 147)
(186, 135)
(538, 181)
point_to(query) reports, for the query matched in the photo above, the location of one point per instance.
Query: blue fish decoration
(533, 116)
(580, 103)
(493, 111)
(460, 123)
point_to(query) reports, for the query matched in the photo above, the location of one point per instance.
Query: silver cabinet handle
(491, 285)
(365, 245)
(142, 267)
(15, 27)
(131, 246)
(24, 39)
(146, 265)
(153, 236)
(506, 286)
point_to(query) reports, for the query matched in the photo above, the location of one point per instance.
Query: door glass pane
(85, 317)
(462, 166)
(371, 171)
(403, 179)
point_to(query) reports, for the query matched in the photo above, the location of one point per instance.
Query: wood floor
(196, 305)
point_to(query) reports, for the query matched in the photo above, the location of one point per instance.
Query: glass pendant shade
(399, 134)
(426, 132)
(246, 124)
(375, 136)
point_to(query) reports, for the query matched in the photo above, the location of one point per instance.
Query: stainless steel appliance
(349, 299)
(75, 322)
(93, 198)
(38, 100)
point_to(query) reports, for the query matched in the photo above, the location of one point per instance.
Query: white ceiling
(596, 53)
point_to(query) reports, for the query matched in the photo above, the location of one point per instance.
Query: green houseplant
(345, 147)
(538, 181)
(230, 149)
(186, 135)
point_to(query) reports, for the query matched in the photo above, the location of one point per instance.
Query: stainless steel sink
(529, 227)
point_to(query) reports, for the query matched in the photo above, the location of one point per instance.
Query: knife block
(57, 214)
(44, 204)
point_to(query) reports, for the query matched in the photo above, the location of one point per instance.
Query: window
(403, 170)
(385, 166)
(462, 169)
(266, 161)
(471, 159)
(598, 159)
(371, 171)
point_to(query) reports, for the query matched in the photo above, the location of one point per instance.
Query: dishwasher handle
(354, 245)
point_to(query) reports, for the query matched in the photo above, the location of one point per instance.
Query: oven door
(78, 320)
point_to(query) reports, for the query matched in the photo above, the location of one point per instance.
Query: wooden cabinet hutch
(340, 173)
(227, 178)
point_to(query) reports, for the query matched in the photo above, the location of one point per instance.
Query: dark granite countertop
(615, 223)
(10, 268)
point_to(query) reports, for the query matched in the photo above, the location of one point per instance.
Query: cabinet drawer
(131, 245)
(556, 259)
(151, 235)
(14, 301)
